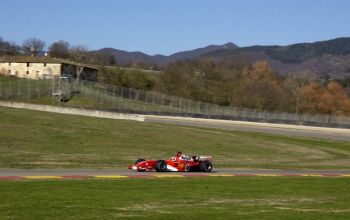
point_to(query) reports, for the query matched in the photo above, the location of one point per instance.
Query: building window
(9, 63)
(27, 72)
(27, 64)
(44, 64)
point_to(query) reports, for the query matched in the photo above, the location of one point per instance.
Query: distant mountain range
(330, 57)
(124, 56)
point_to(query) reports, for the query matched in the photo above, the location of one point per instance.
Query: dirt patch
(264, 201)
(308, 152)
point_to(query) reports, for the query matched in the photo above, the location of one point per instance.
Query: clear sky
(168, 26)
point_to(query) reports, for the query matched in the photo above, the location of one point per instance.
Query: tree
(112, 61)
(79, 69)
(310, 98)
(336, 99)
(79, 53)
(33, 46)
(8, 47)
(59, 49)
(330, 99)
(259, 88)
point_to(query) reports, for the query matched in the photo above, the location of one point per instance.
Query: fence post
(37, 89)
(46, 88)
(180, 105)
(19, 88)
(153, 99)
(162, 99)
(101, 97)
(93, 94)
(207, 110)
(113, 98)
(53, 90)
(121, 98)
(199, 107)
(29, 95)
(9, 90)
(125, 100)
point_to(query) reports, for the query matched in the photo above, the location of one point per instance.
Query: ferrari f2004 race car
(180, 163)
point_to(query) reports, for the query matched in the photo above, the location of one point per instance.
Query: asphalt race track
(21, 174)
(283, 129)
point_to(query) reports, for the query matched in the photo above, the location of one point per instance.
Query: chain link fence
(92, 95)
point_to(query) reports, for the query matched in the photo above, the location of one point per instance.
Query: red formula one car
(180, 163)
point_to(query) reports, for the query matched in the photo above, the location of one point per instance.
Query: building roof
(30, 59)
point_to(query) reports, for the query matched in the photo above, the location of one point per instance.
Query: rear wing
(205, 158)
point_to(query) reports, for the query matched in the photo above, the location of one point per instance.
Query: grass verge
(190, 198)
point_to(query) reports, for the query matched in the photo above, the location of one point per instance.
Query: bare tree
(79, 54)
(79, 69)
(33, 46)
(8, 47)
(59, 49)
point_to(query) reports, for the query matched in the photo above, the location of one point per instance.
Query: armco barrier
(73, 111)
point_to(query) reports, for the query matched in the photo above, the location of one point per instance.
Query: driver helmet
(178, 154)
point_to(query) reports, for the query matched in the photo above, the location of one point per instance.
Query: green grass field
(33, 139)
(178, 198)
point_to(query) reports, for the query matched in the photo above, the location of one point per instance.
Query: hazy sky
(168, 26)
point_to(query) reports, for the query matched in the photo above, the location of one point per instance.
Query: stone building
(44, 68)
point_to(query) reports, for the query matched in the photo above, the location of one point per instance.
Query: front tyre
(160, 166)
(205, 166)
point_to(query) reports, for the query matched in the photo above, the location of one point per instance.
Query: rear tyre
(139, 160)
(205, 166)
(160, 166)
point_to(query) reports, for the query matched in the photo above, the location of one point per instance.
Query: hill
(122, 56)
(330, 57)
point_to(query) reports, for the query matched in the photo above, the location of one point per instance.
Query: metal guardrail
(91, 95)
